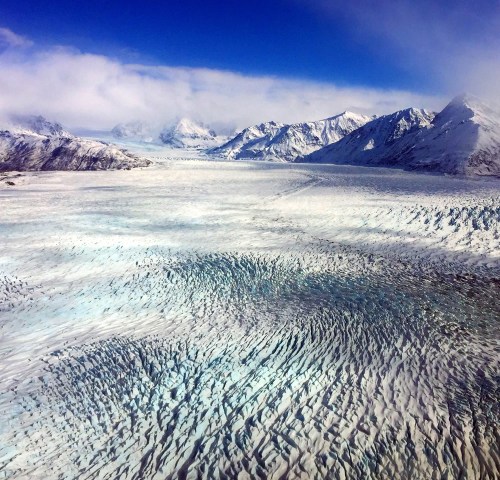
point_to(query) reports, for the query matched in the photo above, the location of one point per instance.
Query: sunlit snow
(202, 319)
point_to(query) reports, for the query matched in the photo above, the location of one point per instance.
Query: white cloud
(10, 39)
(94, 91)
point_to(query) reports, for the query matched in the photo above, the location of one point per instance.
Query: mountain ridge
(34, 143)
(463, 139)
(284, 142)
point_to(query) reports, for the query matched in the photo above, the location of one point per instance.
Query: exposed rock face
(36, 144)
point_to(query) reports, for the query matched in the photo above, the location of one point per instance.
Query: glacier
(201, 319)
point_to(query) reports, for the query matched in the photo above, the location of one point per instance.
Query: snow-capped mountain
(37, 124)
(377, 142)
(250, 142)
(187, 133)
(464, 138)
(33, 143)
(281, 142)
(184, 133)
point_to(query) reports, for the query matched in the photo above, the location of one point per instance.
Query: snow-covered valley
(202, 319)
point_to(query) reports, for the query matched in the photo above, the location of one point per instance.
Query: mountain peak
(464, 138)
(281, 142)
(464, 100)
(192, 129)
(465, 107)
(466, 103)
(186, 132)
(349, 114)
(38, 124)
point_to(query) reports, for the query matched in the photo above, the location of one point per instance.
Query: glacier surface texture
(205, 319)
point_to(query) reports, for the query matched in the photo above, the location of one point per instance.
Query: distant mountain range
(280, 142)
(464, 138)
(184, 133)
(33, 143)
(377, 142)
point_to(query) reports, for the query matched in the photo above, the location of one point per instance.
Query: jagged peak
(408, 115)
(412, 111)
(270, 123)
(37, 124)
(264, 127)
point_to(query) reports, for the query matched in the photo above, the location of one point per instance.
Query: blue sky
(279, 37)
(401, 51)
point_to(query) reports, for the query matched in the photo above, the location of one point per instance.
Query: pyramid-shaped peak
(410, 111)
(464, 99)
(192, 128)
(351, 114)
(464, 107)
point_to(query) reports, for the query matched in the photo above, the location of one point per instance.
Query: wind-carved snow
(249, 321)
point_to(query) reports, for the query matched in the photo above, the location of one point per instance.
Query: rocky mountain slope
(33, 143)
(464, 138)
(281, 142)
(376, 142)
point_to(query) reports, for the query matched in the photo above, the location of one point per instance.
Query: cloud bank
(95, 91)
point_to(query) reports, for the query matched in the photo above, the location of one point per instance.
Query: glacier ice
(238, 320)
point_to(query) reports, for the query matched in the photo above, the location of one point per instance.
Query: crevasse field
(206, 319)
